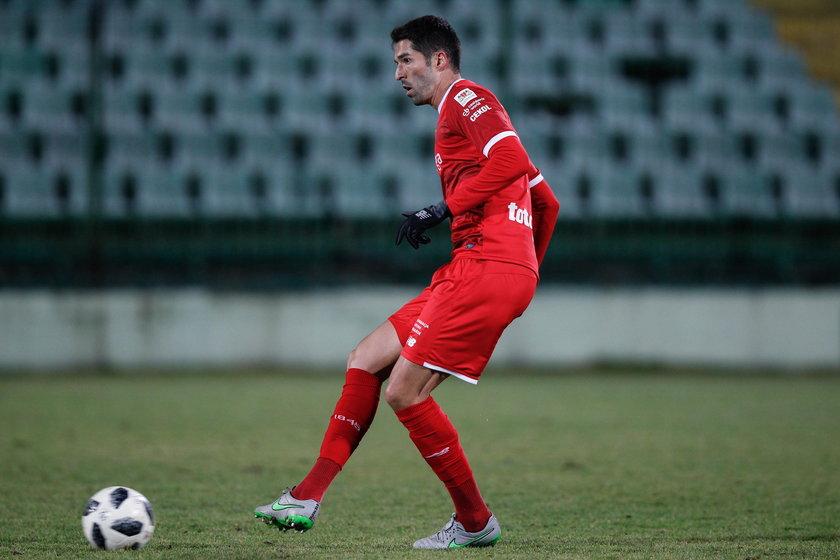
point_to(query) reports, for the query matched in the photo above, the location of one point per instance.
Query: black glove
(417, 222)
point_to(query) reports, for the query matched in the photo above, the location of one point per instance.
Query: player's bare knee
(353, 359)
(398, 398)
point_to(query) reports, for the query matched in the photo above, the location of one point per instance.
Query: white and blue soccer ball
(118, 517)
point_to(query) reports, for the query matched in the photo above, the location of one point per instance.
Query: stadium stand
(675, 112)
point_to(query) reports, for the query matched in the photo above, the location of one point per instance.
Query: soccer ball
(118, 517)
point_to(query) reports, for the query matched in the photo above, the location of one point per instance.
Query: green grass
(586, 466)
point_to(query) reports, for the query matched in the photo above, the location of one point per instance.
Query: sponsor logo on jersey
(519, 215)
(438, 162)
(478, 112)
(475, 104)
(411, 341)
(465, 96)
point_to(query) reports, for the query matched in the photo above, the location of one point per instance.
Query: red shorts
(454, 324)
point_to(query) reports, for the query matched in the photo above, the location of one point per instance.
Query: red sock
(436, 439)
(353, 415)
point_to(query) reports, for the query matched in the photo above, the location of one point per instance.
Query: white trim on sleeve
(492, 142)
(535, 181)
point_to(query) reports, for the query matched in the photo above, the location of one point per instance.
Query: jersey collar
(445, 95)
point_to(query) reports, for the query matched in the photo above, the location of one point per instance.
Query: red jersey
(470, 123)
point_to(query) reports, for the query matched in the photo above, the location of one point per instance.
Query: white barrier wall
(774, 328)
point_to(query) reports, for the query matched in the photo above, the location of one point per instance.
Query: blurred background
(219, 181)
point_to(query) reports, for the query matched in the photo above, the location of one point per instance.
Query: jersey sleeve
(545, 207)
(480, 117)
(477, 115)
(506, 162)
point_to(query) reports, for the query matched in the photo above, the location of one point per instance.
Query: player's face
(414, 73)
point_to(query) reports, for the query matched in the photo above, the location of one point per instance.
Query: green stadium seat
(808, 192)
(617, 192)
(165, 192)
(594, 72)
(50, 107)
(651, 146)
(126, 109)
(270, 147)
(623, 104)
(41, 191)
(683, 33)
(714, 70)
(246, 109)
(565, 178)
(745, 192)
(680, 192)
(230, 191)
(684, 108)
(21, 66)
(13, 150)
(627, 34)
(366, 191)
(781, 149)
(753, 110)
(779, 65)
(184, 108)
(813, 105)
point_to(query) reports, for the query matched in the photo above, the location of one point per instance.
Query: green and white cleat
(453, 535)
(287, 512)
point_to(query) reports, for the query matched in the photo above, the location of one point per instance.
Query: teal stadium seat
(807, 192)
(231, 191)
(41, 191)
(616, 193)
(681, 192)
(746, 192)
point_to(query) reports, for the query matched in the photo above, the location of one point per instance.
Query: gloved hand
(416, 223)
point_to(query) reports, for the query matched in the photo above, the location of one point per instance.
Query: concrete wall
(778, 328)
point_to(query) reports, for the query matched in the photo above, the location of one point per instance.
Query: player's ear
(440, 60)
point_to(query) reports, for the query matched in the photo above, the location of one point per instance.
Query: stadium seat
(622, 104)
(616, 192)
(778, 65)
(134, 187)
(365, 191)
(126, 109)
(627, 34)
(41, 191)
(683, 34)
(243, 85)
(753, 110)
(231, 191)
(651, 145)
(809, 193)
(684, 108)
(164, 192)
(781, 149)
(47, 107)
(680, 192)
(183, 108)
(812, 105)
(745, 192)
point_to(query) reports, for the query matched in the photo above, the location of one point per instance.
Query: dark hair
(429, 34)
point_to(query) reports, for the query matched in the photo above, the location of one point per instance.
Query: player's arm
(506, 162)
(544, 207)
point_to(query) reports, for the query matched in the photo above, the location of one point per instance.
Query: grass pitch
(587, 466)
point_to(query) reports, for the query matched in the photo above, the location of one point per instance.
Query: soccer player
(502, 215)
